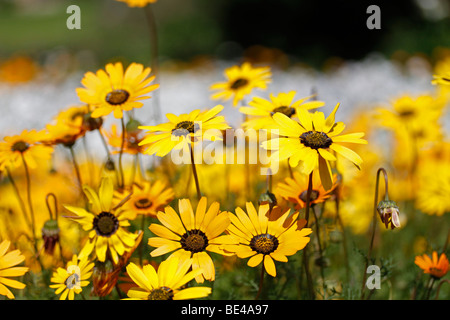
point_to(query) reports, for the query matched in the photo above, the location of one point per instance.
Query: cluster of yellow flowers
(100, 214)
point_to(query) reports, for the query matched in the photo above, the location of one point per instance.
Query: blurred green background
(187, 29)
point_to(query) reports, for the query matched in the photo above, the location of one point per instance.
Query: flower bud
(389, 213)
(50, 234)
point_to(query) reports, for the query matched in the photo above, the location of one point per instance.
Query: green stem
(30, 202)
(374, 223)
(76, 167)
(122, 182)
(319, 243)
(309, 280)
(261, 282)
(194, 171)
(19, 198)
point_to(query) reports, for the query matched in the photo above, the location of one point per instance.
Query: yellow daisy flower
(116, 91)
(295, 190)
(311, 141)
(167, 283)
(436, 267)
(27, 145)
(192, 235)
(416, 116)
(106, 224)
(61, 133)
(261, 111)
(79, 117)
(183, 130)
(8, 263)
(267, 235)
(434, 188)
(70, 281)
(148, 198)
(241, 81)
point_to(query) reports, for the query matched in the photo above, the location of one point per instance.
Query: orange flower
(437, 268)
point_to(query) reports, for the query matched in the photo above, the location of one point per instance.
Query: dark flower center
(194, 241)
(161, 293)
(288, 111)
(185, 127)
(117, 97)
(20, 146)
(105, 224)
(406, 113)
(314, 195)
(238, 83)
(143, 203)
(264, 243)
(316, 140)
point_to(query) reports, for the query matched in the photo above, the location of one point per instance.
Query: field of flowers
(225, 180)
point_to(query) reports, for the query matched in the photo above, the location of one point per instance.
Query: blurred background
(291, 31)
(309, 45)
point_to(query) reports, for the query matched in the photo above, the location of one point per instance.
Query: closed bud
(389, 213)
(50, 235)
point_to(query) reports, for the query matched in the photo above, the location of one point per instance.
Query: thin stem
(261, 282)
(305, 250)
(337, 194)
(19, 198)
(433, 279)
(374, 222)
(322, 273)
(77, 169)
(104, 143)
(55, 203)
(308, 198)
(194, 171)
(122, 182)
(30, 203)
(439, 287)
(141, 243)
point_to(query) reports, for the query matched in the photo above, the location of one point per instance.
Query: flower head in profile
(266, 235)
(191, 235)
(312, 141)
(183, 130)
(79, 117)
(295, 190)
(131, 142)
(137, 3)
(27, 145)
(69, 281)
(106, 225)
(115, 90)
(261, 111)
(240, 81)
(8, 268)
(167, 283)
(436, 266)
